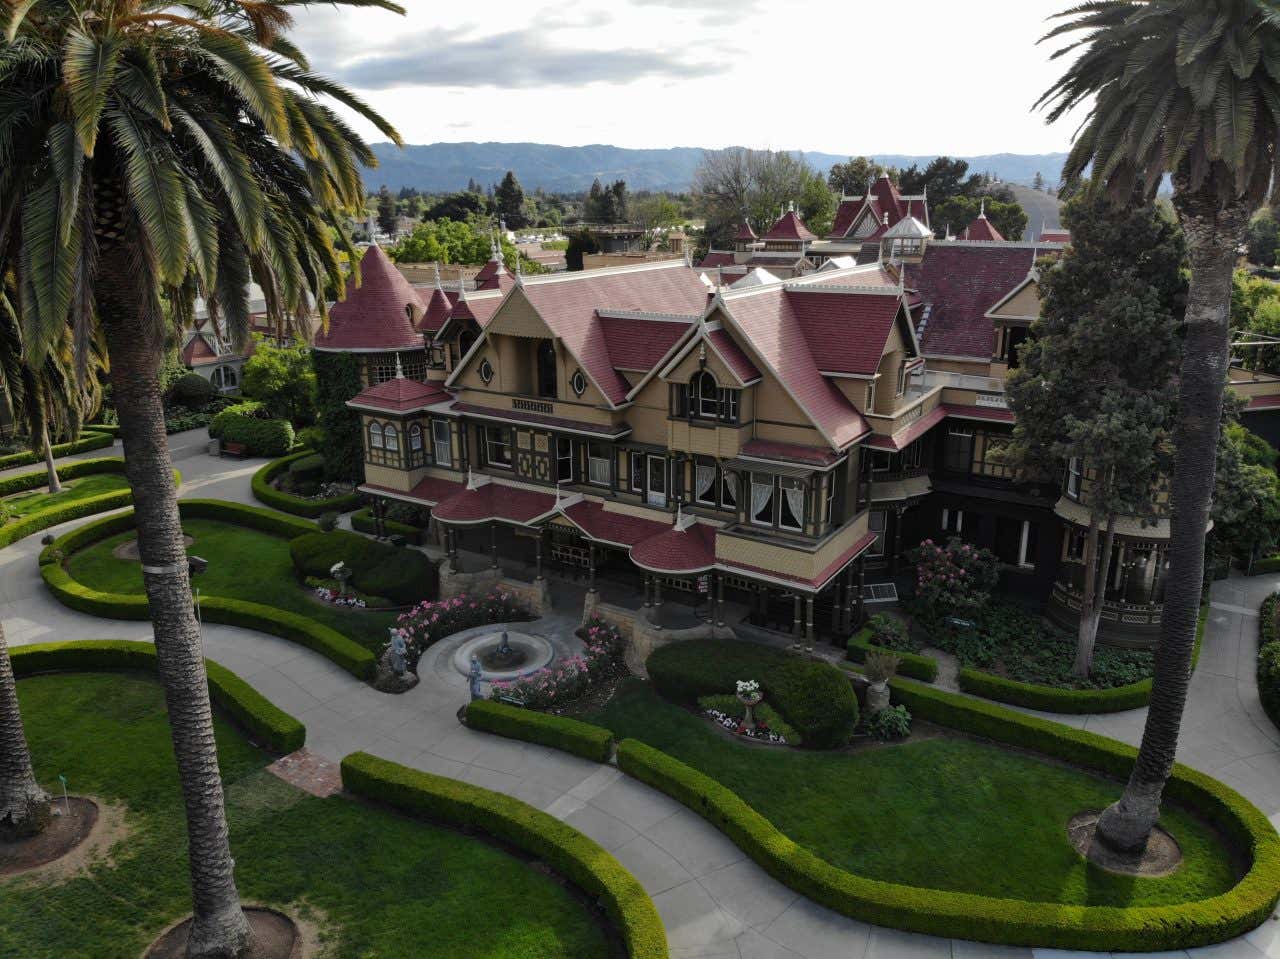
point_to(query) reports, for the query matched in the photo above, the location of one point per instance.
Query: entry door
(657, 494)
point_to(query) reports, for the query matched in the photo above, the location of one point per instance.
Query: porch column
(451, 535)
(797, 623)
(862, 582)
(591, 567)
(538, 578)
(808, 620)
(719, 599)
(896, 541)
(493, 544)
(647, 602)
(657, 602)
(837, 598)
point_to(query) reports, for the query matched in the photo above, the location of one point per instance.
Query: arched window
(704, 396)
(415, 437)
(547, 369)
(224, 378)
(375, 436)
(391, 438)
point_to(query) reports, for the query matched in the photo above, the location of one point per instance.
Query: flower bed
(266, 492)
(568, 680)
(769, 727)
(431, 621)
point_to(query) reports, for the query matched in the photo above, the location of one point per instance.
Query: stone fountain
(504, 655)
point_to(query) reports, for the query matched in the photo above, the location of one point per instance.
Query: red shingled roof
(959, 283)
(904, 437)
(982, 229)
(745, 233)
(400, 395)
(438, 310)
(790, 227)
(847, 332)
(430, 491)
(692, 550)
(884, 198)
(716, 258)
(493, 501)
(769, 322)
(789, 453)
(568, 305)
(487, 278)
(557, 422)
(732, 354)
(198, 352)
(619, 529)
(640, 344)
(373, 316)
(1055, 236)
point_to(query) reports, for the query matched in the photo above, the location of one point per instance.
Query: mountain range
(446, 167)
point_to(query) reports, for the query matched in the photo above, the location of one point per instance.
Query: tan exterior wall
(722, 442)
(975, 367)
(598, 261)
(388, 476)
(649, 412)
(789, 562)
(1025, 304)
(685, 369)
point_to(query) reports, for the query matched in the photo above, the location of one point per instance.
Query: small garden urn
(750, 696)
(342, 573)
(880, 668)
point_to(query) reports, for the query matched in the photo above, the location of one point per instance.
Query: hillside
(445, 167)
(1042, 210)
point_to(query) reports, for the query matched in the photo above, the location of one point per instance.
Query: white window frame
(713, 491)
(773, 495)
(564, 454)
(946, 521)
(700, 378)
(442, 443)
(659, 497)
(876, 549)
(415, 438)
(1022, 546)
(490, 444)
(784, 506)
(1075, 475)
(391, 438)
(598, 467)
(375, 436)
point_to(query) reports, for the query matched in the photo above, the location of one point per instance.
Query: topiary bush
(259, 437)
(191, 390)
(1269, 657)
(307, 469)
(403, 576)
(814, 697)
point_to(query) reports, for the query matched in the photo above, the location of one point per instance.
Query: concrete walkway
(716, 903)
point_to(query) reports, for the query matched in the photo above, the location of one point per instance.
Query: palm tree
(1189, 88)
(150, 151)
(24, 806)
(51, 396)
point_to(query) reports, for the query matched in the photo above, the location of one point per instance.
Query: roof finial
(688, 256)
(462, 284)
(519, 270)
(399, 368)
(791, 206)
(982, 210)
(436, 267)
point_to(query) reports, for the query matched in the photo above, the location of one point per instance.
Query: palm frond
(88, 70)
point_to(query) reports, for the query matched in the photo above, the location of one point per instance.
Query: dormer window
(702, 398)
(705, 393)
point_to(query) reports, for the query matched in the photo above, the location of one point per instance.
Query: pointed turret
(382, 313)
(438, 307)
(982, 228)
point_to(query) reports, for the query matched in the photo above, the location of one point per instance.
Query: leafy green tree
(1095, 379)
(816, 203)
(1037, 182)
(737, 182)
(959, 211)
(851, 178)
(942, 178)
(283, 379)
(386, 211)
(448, 241)
(1186, 89)
(1264, 238)
(337, 378)
(152, 150)
(580, 242)
(460, 206)
(509, 199)
(654, 214)
(1246, 499)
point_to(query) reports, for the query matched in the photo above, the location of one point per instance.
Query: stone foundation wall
(641, 636)
(537, 596)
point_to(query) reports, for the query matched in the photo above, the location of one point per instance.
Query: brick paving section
(309, 772)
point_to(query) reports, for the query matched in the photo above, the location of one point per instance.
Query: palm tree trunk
(55, 484)
(219, 928)
(1214, 231)
(1095, 593)
(24, 806)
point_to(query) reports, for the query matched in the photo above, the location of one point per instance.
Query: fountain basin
(531, 653)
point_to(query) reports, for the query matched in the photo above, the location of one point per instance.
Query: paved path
(716, 903)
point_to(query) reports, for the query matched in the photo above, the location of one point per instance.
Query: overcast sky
(862, 76)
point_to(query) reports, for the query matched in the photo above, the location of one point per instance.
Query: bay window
(762, 499)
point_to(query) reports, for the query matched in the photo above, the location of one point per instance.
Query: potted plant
(880, 668)
(750, 696)
(341, 572)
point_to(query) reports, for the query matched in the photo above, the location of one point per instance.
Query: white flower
(336, 568)
(748, 687)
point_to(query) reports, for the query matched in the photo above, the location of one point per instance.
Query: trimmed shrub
(265, 493)
(89, 440)
(404, 576)
(1051, 699)
(265, 723)
(307, 467)
(515, 722)
(812, 696)
(258, 437)
(1269, 658)
(571, 854)
(192, 391)
(24, 482)
(327, 522)
(362, 521)
(915, 665)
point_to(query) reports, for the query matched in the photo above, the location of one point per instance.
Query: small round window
(579, 383)
(486, 370)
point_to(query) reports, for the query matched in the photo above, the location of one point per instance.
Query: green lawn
(946, 813)
(243, 564)
(390, 886)
(23, 504)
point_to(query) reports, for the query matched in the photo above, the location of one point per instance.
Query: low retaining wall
(641, 636)
(536, 596)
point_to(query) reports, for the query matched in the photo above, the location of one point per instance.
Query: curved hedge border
(514, 722)
(559, 845)
(987, 919)
(1269, 658)
(1050, 699)
(76, 509)
(362, 522)
(91, 439)
(267, 723)
(347, 653)
(265, 493)
(913, 664)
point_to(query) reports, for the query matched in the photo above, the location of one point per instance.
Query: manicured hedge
(1269, 658)
(112, 429)
(560, 846)
(1269, 565)
(581, 739)
(24, 482)
(265, 723)
(981, 918)
(403, 576)
(1050, 699)
(90, 439)
(362, 522)
(264, 492)
(348, 654)
(75, 509)
(812, 696)
(913, 664)
(259, 436)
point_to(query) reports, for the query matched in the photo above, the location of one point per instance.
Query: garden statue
(477, 674)
(398, 650)
(504, 645)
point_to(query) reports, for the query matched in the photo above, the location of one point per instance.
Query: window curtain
(761, 494)
(795, 499)
(731, 483)
(706, 479)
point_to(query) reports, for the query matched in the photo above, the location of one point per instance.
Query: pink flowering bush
(954, 579)
(570, 678)
(431, 621)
